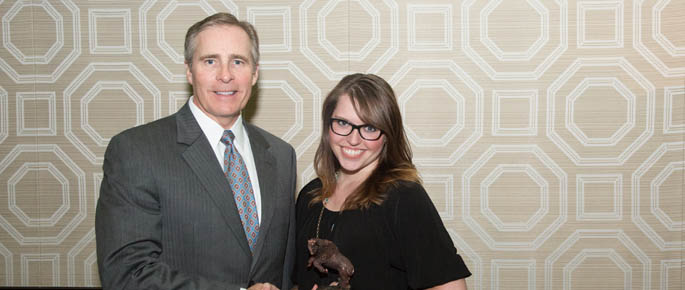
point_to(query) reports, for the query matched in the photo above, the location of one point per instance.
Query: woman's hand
(313, 288)
(452, 285)
(317, 286)
(263, 286)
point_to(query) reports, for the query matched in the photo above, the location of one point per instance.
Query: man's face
(222, 73)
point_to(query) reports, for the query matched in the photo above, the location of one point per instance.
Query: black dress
(401, 244)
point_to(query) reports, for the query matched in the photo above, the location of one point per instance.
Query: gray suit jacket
(166, 218)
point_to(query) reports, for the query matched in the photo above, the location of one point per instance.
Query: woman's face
(355, 154)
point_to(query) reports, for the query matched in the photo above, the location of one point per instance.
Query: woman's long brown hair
(376, 105)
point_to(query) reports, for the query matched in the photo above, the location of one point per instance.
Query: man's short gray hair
(221, 18)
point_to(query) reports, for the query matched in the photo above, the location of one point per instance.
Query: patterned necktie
(239, 179)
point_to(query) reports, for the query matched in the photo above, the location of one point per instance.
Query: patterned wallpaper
(549, 133)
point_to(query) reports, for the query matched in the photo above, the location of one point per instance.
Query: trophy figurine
(325, 255)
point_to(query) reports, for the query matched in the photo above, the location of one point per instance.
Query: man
(200, 199)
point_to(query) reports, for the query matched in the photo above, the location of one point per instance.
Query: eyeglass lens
(344, 128)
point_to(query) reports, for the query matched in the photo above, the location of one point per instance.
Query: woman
(368, 199)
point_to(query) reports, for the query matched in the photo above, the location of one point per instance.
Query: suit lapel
(203, 163)
(265, 163)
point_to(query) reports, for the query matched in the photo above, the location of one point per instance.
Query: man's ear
(189, 73)
(255, 75)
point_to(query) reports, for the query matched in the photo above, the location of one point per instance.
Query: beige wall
(549, 134)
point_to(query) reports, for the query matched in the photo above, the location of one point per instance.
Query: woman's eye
(370, 129)
(342, 123)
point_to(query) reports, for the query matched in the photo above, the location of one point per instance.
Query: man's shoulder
(149, 130)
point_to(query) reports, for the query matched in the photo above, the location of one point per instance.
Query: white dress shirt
(213, 131)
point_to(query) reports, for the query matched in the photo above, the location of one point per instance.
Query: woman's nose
(355, 137)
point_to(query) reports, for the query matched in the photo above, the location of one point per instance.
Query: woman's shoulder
(405, 196)
(305, 193)
(406, 190)
(313, 184)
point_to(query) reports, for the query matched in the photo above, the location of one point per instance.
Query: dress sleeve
(427, 251)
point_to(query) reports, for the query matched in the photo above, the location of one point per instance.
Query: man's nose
(225, 74)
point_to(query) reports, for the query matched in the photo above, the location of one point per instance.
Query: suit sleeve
(128, 226)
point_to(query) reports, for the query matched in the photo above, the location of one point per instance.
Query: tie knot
(227, 137)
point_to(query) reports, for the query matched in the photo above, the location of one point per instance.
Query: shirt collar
(213, 130)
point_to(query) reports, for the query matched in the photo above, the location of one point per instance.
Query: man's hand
(263, 286)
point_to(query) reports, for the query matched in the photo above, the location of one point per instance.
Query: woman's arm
(453, 285)
(426, 247)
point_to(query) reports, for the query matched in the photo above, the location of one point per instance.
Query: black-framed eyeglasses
(366, 131)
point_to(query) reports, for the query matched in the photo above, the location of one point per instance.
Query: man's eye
(238, 62)
(210, 61)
